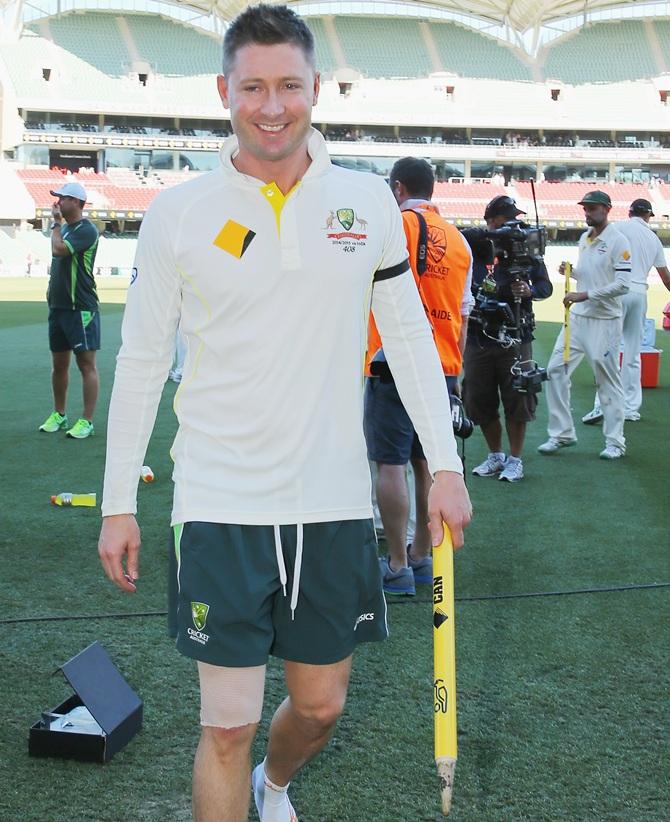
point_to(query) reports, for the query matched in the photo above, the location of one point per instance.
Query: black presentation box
(115, 707)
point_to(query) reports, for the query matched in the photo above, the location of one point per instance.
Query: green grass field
(562, 699)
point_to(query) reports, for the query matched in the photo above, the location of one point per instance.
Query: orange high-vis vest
(441, 286)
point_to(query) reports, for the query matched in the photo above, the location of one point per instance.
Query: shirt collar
(316, 148)
(600, 238)
(417, 204)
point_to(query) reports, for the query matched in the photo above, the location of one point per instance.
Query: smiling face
(270, 92)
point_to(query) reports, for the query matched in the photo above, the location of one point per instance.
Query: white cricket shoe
(612, 452)
(594, 416)
(632, 416)
(278, 808)
(513, 470)
(492, 465)
(553, 444)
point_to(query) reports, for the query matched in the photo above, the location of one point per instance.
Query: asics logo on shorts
(364, 618)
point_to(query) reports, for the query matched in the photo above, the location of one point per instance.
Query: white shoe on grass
(612, 452)
(594, 416)
(492, 465)
(272, 802)
(513, 470)
(553, 444)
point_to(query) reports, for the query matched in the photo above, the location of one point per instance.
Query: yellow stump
(444, 667)
(567, 271)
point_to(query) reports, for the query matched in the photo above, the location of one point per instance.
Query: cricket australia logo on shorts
(199, 611)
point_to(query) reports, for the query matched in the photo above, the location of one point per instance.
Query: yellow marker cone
(444, 667)
(88, 500)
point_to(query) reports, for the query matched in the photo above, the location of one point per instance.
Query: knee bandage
(230, 697)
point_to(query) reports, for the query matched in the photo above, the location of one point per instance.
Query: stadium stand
(559, 201)
(603, 53)
(661, 30)
(469, 54)
(120, 190)
(95, 37)
(325, 57)
(452, 86)
(462, 200)
(174, 49)
(382, 47)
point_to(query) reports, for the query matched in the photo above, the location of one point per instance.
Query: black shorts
(73, 330)
(227, 605)
(488, 381)
(389, 433)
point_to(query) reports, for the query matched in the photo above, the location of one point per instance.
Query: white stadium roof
(519, 15)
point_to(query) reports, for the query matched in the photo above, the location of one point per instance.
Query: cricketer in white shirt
(272, 295)
(603, 272)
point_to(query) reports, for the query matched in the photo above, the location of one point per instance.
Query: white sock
(499, 454)
(512, 459)
(272, 801)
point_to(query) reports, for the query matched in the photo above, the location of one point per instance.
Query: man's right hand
(119, 550)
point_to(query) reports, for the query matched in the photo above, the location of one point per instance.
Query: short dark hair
(416, 175)
(266, 25)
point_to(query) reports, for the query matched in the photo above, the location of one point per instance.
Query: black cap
(641, 206)
(502, 205)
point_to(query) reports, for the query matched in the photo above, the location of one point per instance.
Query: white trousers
(599, 342)
(634, 312)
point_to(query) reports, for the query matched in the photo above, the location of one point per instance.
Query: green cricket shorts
(229, 607)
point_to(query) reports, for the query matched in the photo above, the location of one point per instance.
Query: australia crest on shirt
(345, 228)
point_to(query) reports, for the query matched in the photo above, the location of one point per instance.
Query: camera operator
(489, 359)
(441, 262)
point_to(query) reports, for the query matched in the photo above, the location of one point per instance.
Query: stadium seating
(603, 53)
(174, 49)
(382, 47)
(325, 59)
(559, 201)
(465, 200)
(95, 37)
(470, 54)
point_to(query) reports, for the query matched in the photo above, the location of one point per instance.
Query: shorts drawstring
(297, 566)
(280, 559)
(296, 570)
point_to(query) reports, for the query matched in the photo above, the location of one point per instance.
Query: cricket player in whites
(647, 252)
(603, 277)
(274, 543)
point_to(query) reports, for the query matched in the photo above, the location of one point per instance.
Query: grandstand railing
(437, 150)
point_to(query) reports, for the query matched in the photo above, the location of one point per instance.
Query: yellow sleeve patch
(626, 255)
(234, 238)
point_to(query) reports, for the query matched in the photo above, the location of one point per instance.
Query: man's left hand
(575, 297)
(520, 289)
(448, 502)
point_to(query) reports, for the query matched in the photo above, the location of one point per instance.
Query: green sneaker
(81, 429)
(54, 422)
